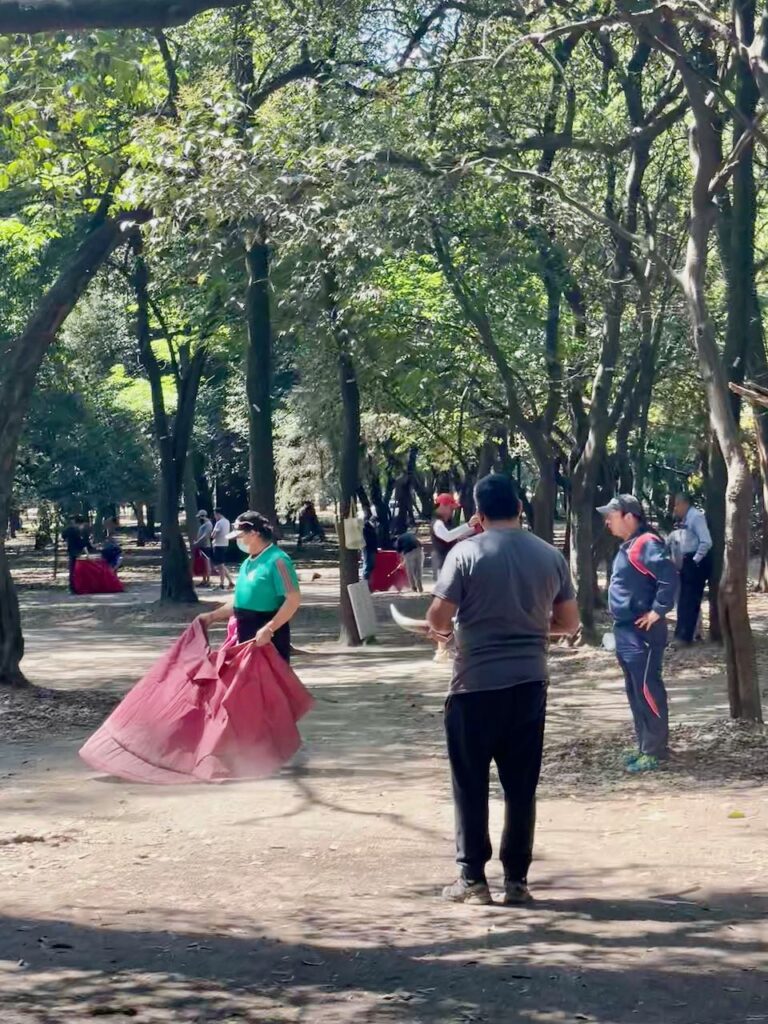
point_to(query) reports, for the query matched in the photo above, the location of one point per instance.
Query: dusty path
(311, 896)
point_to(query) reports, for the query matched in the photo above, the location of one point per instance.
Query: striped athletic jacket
(644, 578)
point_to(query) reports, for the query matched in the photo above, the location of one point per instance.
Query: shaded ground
(311, 897)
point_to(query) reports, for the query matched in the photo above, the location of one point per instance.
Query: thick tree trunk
(259, 377)
(21, 363)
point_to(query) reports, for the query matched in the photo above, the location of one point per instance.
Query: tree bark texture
(349, 465)
(259, 378)
(741, 664)
(172, 441)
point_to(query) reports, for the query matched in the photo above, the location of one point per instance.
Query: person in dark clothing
(309, 525)
(508, 591)
(77, 537)
(370, 546)
(408, 546)
(641, 594)
(695, 550)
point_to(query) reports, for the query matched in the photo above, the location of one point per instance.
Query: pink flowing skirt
(204, 716)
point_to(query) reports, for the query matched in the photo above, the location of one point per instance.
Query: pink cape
(95, 577)
(204, 716)
(388, 572)
(200, 566)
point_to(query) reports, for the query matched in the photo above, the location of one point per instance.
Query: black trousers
(693, 579)
(249, 623)
(505, 726)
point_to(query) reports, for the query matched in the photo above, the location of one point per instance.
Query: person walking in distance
(410, 550)
(695, 568)
(508, 591)
(220, 547)
(203, 544)
(641, 593)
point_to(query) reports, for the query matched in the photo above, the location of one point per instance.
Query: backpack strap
(635, 551)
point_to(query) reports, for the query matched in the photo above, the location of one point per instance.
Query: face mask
(243, 546)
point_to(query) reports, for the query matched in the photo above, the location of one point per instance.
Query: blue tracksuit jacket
(644, 578)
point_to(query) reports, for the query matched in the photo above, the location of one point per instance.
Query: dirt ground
(312, 896)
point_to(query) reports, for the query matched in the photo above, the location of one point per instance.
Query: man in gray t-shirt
(507, 591)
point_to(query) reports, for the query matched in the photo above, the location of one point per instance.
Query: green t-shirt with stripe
(264, 581)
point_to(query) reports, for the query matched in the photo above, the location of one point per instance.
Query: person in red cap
(443, 535)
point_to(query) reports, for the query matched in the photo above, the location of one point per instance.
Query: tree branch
(30, 16)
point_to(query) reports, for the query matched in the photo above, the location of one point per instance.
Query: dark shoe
(463, 891)
(516, 894)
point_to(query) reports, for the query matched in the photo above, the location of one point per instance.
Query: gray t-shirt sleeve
(566, 591)
(450, 582)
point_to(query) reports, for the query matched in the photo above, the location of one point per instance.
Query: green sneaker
(643, 763)
(468, 892)
(629, 756)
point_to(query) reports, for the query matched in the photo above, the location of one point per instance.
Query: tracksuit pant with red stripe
(641, 654)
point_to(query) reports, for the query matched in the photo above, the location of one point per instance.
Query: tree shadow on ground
(610, 961)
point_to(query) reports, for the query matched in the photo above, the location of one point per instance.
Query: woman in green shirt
(267, 592)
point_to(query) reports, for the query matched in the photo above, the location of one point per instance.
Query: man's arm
(661, 567)
(704, 537)
(440, 618)
(565, 618)
(442, 532)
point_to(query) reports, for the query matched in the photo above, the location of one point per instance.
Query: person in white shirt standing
(695, 549)
(220, 546)
(444, 537)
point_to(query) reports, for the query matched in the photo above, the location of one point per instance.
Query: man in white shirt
(444, 537)
(220, 545)
(694, 543)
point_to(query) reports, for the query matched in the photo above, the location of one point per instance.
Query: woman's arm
(285, 612)
(220, 614)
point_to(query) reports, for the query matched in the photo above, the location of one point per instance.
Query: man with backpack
(641, 593)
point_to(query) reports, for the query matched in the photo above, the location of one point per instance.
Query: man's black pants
(693, 579)
(505, 726)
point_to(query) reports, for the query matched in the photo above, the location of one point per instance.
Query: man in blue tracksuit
(642, 591)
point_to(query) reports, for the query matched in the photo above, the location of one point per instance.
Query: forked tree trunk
(741, 663)
(172, 441)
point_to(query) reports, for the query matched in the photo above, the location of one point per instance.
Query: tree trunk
(190, 500)
(704, 149)
(172, 442)
(21, 363)
(349, 467)
(259, 377)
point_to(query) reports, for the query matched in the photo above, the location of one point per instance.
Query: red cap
(447, 499)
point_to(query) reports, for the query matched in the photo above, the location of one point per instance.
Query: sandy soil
(312, 896)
